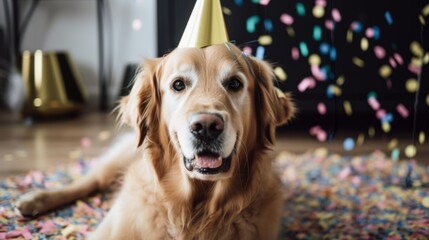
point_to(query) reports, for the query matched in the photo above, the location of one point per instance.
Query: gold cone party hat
(205, 26)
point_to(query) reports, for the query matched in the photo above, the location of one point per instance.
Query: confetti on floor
(327, 196)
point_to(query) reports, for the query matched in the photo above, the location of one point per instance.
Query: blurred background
(358, 71)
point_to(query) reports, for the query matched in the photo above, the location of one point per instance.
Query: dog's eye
(179, 85)
(234, 84)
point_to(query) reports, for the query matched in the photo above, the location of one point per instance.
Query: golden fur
(159, 197)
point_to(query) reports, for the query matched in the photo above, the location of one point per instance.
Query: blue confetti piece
(303, 49)
(239, 2)
(358, 27)
(333, 54)
(348, 144)
(324, 48)
(260, 52)
(268, 25)
(387, 118)
(376, 30)
(330, 92)
(388, 17)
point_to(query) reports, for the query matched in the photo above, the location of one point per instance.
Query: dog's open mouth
(208, 163)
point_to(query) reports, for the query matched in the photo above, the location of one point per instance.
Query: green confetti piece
(251, 23)
(317, 33)
(300, 9)
(303, 49)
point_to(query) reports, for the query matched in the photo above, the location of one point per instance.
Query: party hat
(205, 26)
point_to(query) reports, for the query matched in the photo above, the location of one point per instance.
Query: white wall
(72, 26)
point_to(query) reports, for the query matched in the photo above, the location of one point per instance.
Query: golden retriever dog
(205, 123)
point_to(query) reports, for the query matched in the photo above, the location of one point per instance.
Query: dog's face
(213, 102)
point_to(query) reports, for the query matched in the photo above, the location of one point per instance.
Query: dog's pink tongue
(209, 161)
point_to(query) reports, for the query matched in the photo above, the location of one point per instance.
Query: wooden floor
(36, 145)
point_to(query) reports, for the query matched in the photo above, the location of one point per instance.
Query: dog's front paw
(32, 203)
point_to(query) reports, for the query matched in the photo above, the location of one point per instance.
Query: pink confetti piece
(306, 83)
(336, 15)
(379, 52)
(37, 176)
(264, 2)
(414, 69)
(392, 62)
(48, 227)
(320, 134)
(86, 142)
(16, 233)
(286, 19)
(314, 130)
(402, 110)
(321, 108)
(356, 180)
(373, 102)
(321, 3)
(295, 53)
(398, 58)
(369, 32)
(344, 173)
(317, 73)
(247, 50)
(329, 25)
(380, 114)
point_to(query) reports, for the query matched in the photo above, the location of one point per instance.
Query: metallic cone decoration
(205, 26)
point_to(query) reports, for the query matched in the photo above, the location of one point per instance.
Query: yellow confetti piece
(426, 58)
(371, 131)
(290, 31)
(348, 108)
(21, 153)
(360, 139)
(385, 71)
(104, 135)
(226, 11)
(392, 144)
(340, 80)
(68, 230)
(364, 44)
(410, 151)
(425, 202)
(425, 10)
(8, 157)
(422, 137)
(75, 154)
(358, 62)
(265, 40)
(427, 99)
(336, 90)
(422, 20)
(280, 73)
(314, 59)
(386, 127)
(321, 152)
(416, 49)
(318, 11)
(411, 85)
(416, 61)
(349, 36)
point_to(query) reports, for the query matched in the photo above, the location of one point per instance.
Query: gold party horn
(206, 25)
(52, 84)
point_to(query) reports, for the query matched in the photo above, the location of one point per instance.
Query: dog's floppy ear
(140, 109)
(275, 107)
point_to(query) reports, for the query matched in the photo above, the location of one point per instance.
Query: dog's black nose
(206, 126)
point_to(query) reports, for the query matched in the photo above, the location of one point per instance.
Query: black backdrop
(395, 37)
